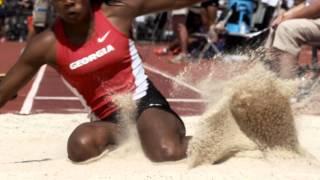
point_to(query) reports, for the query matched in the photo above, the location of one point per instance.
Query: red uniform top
(106, 64)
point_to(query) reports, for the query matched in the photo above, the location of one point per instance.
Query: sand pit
(34, 147)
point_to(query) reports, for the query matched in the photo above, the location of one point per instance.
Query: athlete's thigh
(156, 126)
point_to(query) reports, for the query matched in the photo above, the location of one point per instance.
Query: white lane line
(28, 102)
(70, 98)
(57, 98)
(62, 110)
(186, 100)
(172, 78)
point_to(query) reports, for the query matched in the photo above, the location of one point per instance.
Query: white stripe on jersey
(138, 72)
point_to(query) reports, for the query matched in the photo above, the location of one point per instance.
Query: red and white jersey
(107, 64)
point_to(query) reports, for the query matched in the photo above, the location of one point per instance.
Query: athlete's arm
(35, 55)
(123, 14)
(148, 6)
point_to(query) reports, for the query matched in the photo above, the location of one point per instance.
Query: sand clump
(217, 137)
(254, 113)
(261, 107)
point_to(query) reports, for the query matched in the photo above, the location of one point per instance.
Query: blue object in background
(241, 19)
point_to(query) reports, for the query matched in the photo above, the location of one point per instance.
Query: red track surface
(52, 86)
(9, 53)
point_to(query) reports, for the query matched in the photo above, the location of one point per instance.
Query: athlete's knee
(81, 144)
(168, 151)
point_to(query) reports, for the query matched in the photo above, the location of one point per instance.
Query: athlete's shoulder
(41, 47)
(45, 38)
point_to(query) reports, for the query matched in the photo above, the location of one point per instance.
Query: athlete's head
(72, 11)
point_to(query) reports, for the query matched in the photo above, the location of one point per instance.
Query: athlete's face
(72, 11)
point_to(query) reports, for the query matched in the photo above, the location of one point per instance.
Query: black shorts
(153, 99)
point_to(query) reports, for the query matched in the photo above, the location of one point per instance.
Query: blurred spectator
(42, 17)
(297, 26)
(269, 7)
(209, 13)
(178, 20)
(2, 19)
(151, 27)
(15, 23)
(198, 20)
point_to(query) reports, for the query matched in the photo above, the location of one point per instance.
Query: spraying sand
(254, 113)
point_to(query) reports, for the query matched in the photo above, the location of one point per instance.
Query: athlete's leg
(162, 135)
(90, 140)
